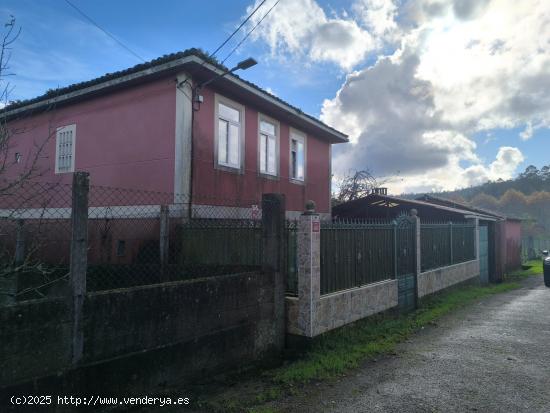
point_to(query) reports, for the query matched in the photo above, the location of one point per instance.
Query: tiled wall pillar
(309, 270)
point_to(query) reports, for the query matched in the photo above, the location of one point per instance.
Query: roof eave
(332, 135)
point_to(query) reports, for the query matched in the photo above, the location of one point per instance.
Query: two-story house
(153, 127)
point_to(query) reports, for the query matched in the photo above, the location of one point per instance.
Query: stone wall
(432, 281)
(137, 338)
(35, 339)
(344, 307)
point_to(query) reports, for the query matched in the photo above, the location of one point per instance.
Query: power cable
(211, 55)
(112, 36)
(238, 28)
(250, 32)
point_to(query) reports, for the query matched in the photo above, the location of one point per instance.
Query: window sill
(230, 169)
(297, 181)
(268, 176)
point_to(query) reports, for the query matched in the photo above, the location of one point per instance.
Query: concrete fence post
(309, 269)
(79, 258)
(20, 242)
(274, 247)
(164, 246)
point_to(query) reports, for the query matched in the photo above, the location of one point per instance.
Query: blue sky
(58, 47)
(390, 60)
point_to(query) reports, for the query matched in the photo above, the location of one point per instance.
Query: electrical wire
(250, 32)
(211, 55)
(238, 28)
(112, 36)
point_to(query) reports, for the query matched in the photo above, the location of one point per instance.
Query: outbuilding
(491, 229)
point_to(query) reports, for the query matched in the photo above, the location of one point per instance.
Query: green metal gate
(405, 257)
(483, 254)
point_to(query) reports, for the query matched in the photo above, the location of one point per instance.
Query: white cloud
(379, 18)
(490, 69)
(462, 67)
(527, 132)
(397, 131)
(506, 162)
(302, 29)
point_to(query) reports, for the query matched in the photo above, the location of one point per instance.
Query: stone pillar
(309, 269)
(273, 259)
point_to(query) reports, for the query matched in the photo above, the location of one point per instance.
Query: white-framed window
(229, 133)
(268, 146)
(65, 143)
(297, 156)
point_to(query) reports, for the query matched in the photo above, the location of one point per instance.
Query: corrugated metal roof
(460, 205)
(392, 201)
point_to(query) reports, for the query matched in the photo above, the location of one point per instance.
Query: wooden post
(79, 258)
(164, 242)
(273, 258)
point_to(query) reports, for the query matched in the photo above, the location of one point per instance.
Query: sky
(434, 94)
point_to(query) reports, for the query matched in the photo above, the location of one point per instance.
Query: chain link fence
(35, 238)
(135, 237)
(140, 237)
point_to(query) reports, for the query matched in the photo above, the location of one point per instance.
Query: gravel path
(493, 356)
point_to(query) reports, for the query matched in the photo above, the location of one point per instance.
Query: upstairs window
(268, 148)
(65, 149)
(229, 135)
(297, 157)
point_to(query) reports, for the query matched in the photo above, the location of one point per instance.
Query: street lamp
(242, 65)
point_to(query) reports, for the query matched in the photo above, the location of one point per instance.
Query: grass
(534, 269)
(336, 352)
(340, 350)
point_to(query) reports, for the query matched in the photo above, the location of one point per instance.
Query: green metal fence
(443, 244)
(354, 253)
(531, 247)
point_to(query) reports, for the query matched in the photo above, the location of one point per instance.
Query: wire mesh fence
(35, 235)
(135, 237)
(446, 243)
(141, 237)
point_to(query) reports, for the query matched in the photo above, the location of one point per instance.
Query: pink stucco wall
(124, 139)
(248, 187)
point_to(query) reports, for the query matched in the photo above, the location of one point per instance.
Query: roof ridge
(201, 54)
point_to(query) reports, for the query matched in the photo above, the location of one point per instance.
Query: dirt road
(493, 356)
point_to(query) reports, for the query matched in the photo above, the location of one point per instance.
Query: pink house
(152, 127)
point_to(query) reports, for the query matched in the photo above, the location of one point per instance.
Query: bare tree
(14, 175)
(354, 185)
(9, 158)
